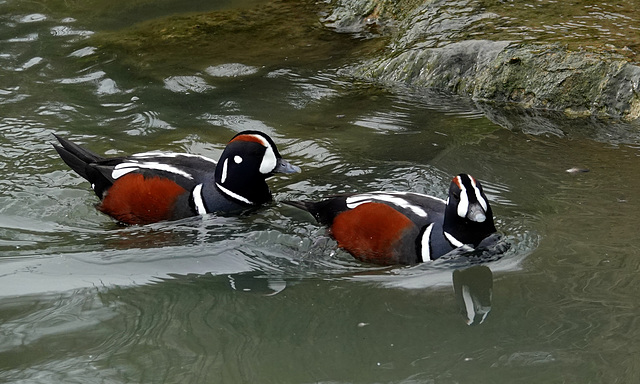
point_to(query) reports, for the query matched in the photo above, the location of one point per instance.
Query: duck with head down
(403, 227)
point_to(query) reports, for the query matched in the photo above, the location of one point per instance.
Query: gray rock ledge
(429, 47)
(533, 76)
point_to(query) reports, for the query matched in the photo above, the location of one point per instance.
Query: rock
(431, 48)
(539, 77)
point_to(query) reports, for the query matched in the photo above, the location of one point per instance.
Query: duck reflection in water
(473, 289)
(473, 280)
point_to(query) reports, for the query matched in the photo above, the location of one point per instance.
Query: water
(268, 298)
(610, 26)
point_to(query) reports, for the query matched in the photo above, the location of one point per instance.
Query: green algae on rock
(539, 77)
(489, 52)
(496, 52)
(267, 34)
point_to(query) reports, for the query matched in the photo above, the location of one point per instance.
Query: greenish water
(268, 298)
(609, 27)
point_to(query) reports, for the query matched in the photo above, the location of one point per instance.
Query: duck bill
(476, 214)
(283, 166)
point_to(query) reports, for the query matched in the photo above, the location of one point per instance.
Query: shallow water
(609, 27)
(268, 297)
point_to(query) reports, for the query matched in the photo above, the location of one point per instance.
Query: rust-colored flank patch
(370, 232)
(135, 199)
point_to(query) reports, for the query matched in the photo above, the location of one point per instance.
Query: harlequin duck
(406, 228)
(154, 186)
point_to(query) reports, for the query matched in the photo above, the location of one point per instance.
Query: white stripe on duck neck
(425, 244)
(234, 195)
(198, 201)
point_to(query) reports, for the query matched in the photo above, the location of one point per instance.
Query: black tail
(76, 157)
(304, 205)
(323, 211)
(308, 206)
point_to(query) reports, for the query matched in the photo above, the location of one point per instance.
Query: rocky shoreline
(515, 59)
(430, 47)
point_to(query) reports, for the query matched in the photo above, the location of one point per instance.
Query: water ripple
(237, 123)
(64, 112)
(231, 70)
(89, 77)
(187, 84)
(33, 18)
(107, 87)
(147, 120)
(63, 30)
(83, 52)
(30, 63)
(25, 39)
(383, 122)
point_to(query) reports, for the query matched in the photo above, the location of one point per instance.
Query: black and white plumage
(154, 186)
(404, 227)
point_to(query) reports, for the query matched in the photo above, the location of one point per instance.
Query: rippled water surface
(268, 298)
(610, 26)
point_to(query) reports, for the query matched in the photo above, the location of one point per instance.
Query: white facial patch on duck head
(269, 158)
(463, 201)
(463, 204)
(465, 208)
(223, 178)
(269, 161)
(481, 200)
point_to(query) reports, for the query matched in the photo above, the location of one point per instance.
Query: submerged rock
(268, 34)
(533, 76)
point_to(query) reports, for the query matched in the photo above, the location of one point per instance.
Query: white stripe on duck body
(154, 186)
(404, 227)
